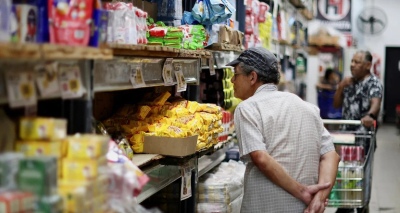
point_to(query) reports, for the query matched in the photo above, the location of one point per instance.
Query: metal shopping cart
(354, 178)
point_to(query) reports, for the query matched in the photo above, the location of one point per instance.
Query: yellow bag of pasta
(192, 106)
(177, 112)
(180, 103)
(137, 138)
(200, 146)
(210, 108)
(142, 112)
(161, 99)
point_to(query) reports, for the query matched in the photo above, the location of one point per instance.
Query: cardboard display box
(177, 147)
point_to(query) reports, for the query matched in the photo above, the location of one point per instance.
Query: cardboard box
(177, 147)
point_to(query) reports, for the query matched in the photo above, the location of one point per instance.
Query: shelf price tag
(47, 80)
(70, 82)
(180, 78)
(167, 72)
(20, 89)
(211, 65)
(136, 76)
(186, 186)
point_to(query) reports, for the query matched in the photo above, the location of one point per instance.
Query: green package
(38, 175)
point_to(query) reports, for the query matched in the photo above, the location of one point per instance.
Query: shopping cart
(354, 178)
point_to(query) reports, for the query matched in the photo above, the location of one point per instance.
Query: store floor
(385, 197)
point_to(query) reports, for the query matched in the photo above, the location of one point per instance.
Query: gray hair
(271, 76)
(367, 55)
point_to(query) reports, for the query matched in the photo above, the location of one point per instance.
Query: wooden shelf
(225, 47)
(157, 51)
(32, 51)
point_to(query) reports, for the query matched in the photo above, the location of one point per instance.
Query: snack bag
(70, 21)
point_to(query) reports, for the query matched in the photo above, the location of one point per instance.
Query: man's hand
(308, 193)
(347, 82)
(316, 206)
(367, 121)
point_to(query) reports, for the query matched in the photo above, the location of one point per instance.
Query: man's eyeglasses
(235, 74)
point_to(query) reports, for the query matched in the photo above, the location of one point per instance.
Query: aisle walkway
(386, 178)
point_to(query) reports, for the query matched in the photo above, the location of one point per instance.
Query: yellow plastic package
(137, 141)
(81, 170)
(42, 128)
(210, 108)
(176, 112)
(180, 103)
(191, 122)
(200, 145)
(192, 106)
(41, 148)
(87, 146)
(73, 199)
(174, 132)
(161, 99)
(142, 112)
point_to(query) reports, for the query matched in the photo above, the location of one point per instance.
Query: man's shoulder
(375, 80)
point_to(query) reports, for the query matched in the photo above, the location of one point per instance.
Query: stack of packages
(63, 172)
(222, 191)
(256, 13)
(212, 12)
(126, 24)
(194, 37)
(84, 182)
(161, 35)
(176, 118)
(265, 27)
(170, 12)
(42, 143)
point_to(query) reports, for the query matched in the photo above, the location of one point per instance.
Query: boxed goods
(170, 146)
(16, 201)
(81, 170)
(8, 169)
(38, 175)
(27, 16)
(42, 128)
(87, 146)
(41, 148)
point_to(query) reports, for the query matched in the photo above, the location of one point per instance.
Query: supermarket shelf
(225, 47)
(160, 177)
(4, 100)
(13, 51)
(141, 160)
(157, 51)
(206, 163)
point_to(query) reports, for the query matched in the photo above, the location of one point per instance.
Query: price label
(136, 76)
(47, 80)
(20, 89)
(186, 186)
(167, 72)
(70, 82)
(180, 78)
(211, 65)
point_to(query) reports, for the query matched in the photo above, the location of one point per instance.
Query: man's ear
(369, 65)
(254, 77)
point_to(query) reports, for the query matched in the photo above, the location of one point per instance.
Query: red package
(158, 32)
(249, 6)
(249, 28)
(263, 11)
(70, 21)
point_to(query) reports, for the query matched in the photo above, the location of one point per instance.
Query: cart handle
(349, 122)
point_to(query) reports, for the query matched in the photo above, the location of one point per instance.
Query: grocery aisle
(386, 177)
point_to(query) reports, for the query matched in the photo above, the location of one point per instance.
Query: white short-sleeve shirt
(292, 132)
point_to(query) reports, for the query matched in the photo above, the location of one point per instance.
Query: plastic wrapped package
(5, 20)
(264, 7)
(9, 162)
(233, 207)
(208, 12)
(70, 21)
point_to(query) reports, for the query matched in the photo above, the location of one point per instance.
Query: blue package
(5, 20)
(98, 35)
(43, 33)
(169, 10)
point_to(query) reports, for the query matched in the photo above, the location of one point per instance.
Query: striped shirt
(292, 132)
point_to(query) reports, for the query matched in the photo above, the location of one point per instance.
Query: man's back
(291, 130)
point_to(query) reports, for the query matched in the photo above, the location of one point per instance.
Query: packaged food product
(81, 170)
(42, 128)
(73, 199)
(158, 31)
(69, 21)
(87, 146)
(16, 201)
(38, 175)
(98, 36)
(125, 147)
(9, 162)
(143, 111)
(27, 16)
(41, 148)
(5, 21)
(192, 106)
(50, 204)
(210, 108)
(161, 99)
(176, 112)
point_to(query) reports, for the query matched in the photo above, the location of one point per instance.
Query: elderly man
(291, 161)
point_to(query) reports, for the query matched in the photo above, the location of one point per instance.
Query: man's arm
(327, 173)
(368, 120)
(275, 173)
(338, 98)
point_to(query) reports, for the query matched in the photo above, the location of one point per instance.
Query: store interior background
(374, 43)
